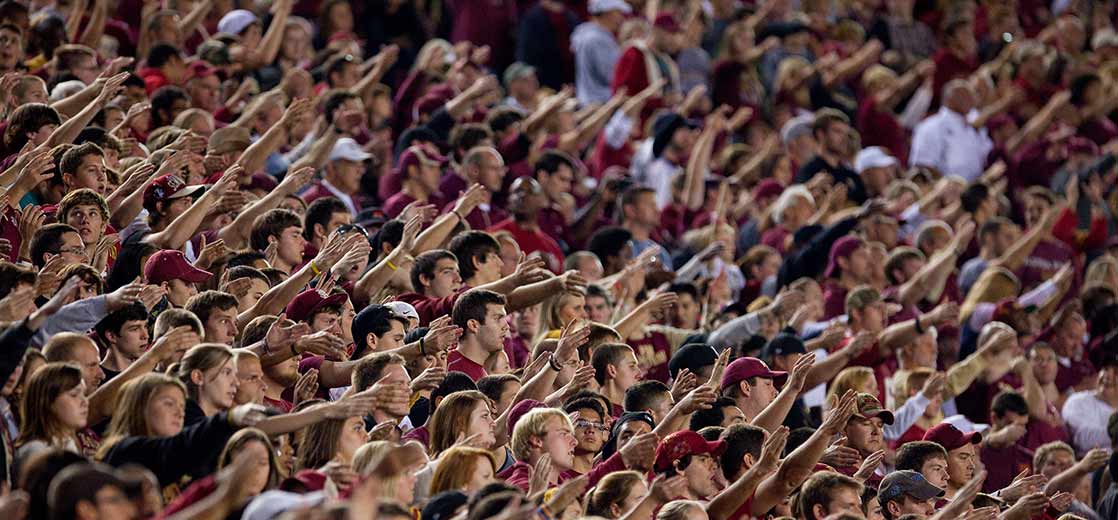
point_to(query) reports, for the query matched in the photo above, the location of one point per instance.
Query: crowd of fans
(513, 259)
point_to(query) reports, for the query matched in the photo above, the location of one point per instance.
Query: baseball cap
(783, 344)
(520, 70)
(948, 436)
(228, 140)
(869, 406)
(168, 187)
(796, 127)
(236, 21)
(302, 307)
(200, 69)
(348, 149)
(415, 155)
(907, 482)
(692, 356)
(367, 320)
(667, 22)
(766, 189)
(746, 367)
(404, 309)
(171, 264)
(605, 6)
(444, 505)
(683, 443)
(215, 51)
(664, 129)
(842, 248)
(519, 409)
(873, 157)
(1104, 38)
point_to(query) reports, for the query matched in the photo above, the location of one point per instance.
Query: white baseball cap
(236, 20)
(348, 149)
(605, 6)
(873, 157)
(404, 309)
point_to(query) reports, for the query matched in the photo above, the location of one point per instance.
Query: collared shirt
(346, 199)
(947, 141)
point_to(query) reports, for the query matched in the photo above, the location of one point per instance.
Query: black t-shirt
(841, 174)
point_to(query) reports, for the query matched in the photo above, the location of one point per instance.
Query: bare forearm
(256, 154)
(529, 295)
(103, 401)
(91, 37)
(335, 374)
(899, 334)
(236, 233)
(696, 170)
(194, 17)
(792, 472)
(319, 152)
(378, 277)
(437, 234)
(269, 357)
(723, 506)
(273, 301)
(291, 422)
(773, 415)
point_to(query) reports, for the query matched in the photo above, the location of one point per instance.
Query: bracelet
(421, 351)
(459, 215)
(919, 329)
(314, 268)
(390, 265)
(555, 367)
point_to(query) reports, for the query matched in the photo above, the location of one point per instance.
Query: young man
(322, 312)
(284, 229)
(962, 460)
(170, 270)
(832, 131)
(905, 492)
(377, 328)
(218, 312)
(436, 280)
(925, 457)
(479, 257)
(686, 453)
(165, 200)
(275, 378)
(526, 201)
(481, 315)
(615, 369)
(91, 491)
(389, 368)
(83, 166)
(641, 218)
(87, 212)
(652, 397)
(165, 65)
(827, 493)
(419, 170)
(752, 385)
(1004, 453)
(324, 215)
(54, 240)
(591, 431)
(848, 267)
(864, 432)
(124, 336)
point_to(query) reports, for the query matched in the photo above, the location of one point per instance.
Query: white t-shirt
(1086, 416)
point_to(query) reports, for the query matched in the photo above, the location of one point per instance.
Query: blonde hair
(429, 48)
(788, 67)
(202, 357)
(452, 417)
(677, 509)
(851, 378)
(368, 457)
(532, 425)
(457, 466)
(915, 379)
(130, 418)
(1099, 269)
(319, 444)
(613, 489)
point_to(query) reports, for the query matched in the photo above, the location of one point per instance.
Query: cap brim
(333, 299)
(716, 448)
(928, 491)
(778, 377)
(885, 415)
(195, 275)
(187, 191)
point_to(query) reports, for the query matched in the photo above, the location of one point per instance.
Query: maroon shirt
(1002, 464)
(834, 300)
(881, 128)
(456, 362)
(653, 353)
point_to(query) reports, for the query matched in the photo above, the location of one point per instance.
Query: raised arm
(190, 22)
(184, 227)
(581, 137)
(937, 269)
(91, 37)
(236, 233)
(378, 277)
(773, 415)
(256, 154)
(269, 47)
(437, 234)
(68, 131)
(1022, 248)
(175, 342)
(383, 61)
(726, 503)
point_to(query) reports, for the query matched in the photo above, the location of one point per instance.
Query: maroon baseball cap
(519, 410)
(168, 187)
(171, 264)
(683, 443)
(948, 436)
(303, 306)
(415, 155)
(842, 248)
(767, 189)
(744, 368)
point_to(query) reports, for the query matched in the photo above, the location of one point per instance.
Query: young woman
(617, 494)
(859, 379)
(54, 409)
(459, 416)
(558, 311)
(400, 487)
(335, 440)
(252, 443)
(210, 376)
(464, 469)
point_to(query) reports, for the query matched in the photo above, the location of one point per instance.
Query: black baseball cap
(783, 344)
(692, 356)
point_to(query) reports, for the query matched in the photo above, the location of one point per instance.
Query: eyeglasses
(583, 424)
(73, 250)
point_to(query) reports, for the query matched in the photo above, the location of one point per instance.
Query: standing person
(962, 459)
(646, 61)
(1087, 412)
(597, 50)
(544, 42)
(54, 409)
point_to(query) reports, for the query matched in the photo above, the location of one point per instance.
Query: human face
(873, 510)
(590, 268)
(857, 265)
(961, 463)
(428, 175)
(71, 408)
(598, 310)
(627, 371)
(1035, 208)
(173, 208)
(1057, 462)
(491, 172)
(482, 475)
(909, 505)
(257, 453)
(508, 392)
(924, 351)
(762, 393)
(700, 475)
(73, 249)
(631, 429)
(645, 211)
(87, 358)
(256, 290)
(351, 437)
(871, 318)
(491, 334)
(221, 326)
(482, 424)
(396, 375)
(329, 321)
(660, 407)
(935, 471)
(132, 340)
(294, 46)
(179, 292)
(639, 490)
(165, 411)
(284, 374)
(11, 49)
(573, 308)
(732, 415)
(89, 222)
(865, 435)
(110, 502)
(590, 430)
(843, 500)
(347, 175)
(446, 280)
(510, 253)
(559, 182)
(218, 386)
(290, 245)
(392, 339)
(686, 312)
(251, 376)
(204, 92)
(559, 442)
(488, 270)
(336, 221)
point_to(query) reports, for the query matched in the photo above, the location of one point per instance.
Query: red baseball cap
(168, 187)
(683, 443)
(744, 368)
(667, 22)
(171, 264)
(948, 436)
(842, 248)
(303, 306)
(415, 155)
